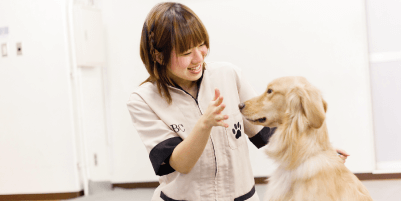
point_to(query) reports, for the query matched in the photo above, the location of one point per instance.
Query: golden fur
(308, 166)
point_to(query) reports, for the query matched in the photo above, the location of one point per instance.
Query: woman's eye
(269, 91)
(186, 54)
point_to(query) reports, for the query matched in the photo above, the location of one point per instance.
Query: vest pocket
(235, 131)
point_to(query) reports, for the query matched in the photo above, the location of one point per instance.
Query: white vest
(223, 172)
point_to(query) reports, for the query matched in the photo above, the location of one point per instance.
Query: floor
(380, 190)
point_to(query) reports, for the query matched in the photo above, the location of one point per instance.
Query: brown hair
(168, 25)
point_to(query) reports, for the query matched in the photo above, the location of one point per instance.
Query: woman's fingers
(218, 101)
(223, 124)
(216, 108)
(343, 158)
(220, 120)
(219, 109)
(342, 152)
(216, 94)
(221, 117)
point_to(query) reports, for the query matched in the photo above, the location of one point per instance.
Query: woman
(195, 137)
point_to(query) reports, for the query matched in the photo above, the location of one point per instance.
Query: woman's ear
(159, 57)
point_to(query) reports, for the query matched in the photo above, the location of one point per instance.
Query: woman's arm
(187, 153)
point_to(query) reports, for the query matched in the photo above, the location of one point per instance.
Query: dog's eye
(269, 91)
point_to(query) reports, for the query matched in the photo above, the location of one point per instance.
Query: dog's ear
(306, 104)
(324, 105)
(315, 108)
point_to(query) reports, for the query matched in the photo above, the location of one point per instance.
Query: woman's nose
(198, 56)
(200, 52)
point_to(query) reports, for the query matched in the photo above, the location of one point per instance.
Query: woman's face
(187, 67)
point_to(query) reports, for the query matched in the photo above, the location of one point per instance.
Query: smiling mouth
(195, 68)
(260, 120)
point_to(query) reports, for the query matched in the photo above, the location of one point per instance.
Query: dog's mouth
(260, 120)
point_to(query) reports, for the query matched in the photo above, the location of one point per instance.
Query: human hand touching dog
(212, 116)
(342, 154)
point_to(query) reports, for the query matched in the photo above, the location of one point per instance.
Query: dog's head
(286, 99)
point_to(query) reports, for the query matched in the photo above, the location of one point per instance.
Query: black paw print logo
(237, 130)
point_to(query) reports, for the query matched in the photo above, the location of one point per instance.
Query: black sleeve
(160, 156)
(262, 138)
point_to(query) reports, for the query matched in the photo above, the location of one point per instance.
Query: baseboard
(361, 176)
(263, 180)
(258, 180)
(372, 176)
(137, 185)
(51, 196)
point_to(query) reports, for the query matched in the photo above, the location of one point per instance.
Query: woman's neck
(189, 86)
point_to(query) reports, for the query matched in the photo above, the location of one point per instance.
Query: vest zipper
(214, 151)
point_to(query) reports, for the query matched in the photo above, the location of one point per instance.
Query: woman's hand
(212, 116)
(188, 152)
(342, 154)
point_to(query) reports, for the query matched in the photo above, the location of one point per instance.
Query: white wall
(325, 41)
(123, 24)
(37, 143)
(384, 31)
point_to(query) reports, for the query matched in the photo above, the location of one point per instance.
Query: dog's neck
(291, 147)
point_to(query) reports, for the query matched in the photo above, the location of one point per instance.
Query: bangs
(188, 32)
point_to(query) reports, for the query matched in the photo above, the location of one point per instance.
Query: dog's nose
(241, 105)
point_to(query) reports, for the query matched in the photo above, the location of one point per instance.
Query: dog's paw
(237, 130)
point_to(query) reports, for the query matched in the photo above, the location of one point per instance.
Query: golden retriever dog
(309, 168)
